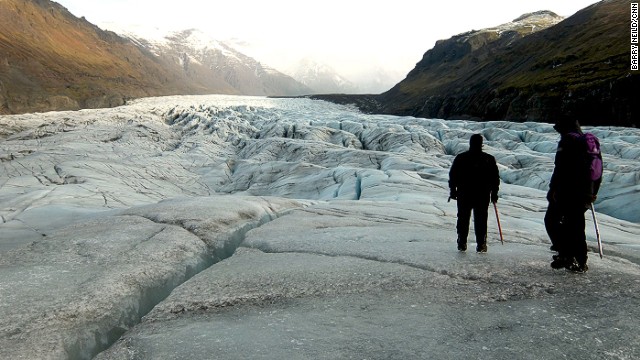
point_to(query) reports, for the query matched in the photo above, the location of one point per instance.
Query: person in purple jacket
(571, 192)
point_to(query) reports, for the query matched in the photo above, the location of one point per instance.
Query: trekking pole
(595, 222)
(495, 207)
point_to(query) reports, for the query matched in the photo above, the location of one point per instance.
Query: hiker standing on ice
(571, 192)
(473, 181)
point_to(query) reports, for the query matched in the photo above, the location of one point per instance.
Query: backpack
(593, 156)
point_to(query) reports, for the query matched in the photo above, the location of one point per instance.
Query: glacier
(252, 227)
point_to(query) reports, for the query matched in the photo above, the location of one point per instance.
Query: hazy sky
(347, 34)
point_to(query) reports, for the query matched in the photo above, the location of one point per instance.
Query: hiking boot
(560, 262)
(577, 267)
(481, 248)
(462, 246)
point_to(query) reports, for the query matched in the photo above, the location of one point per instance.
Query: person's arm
(555, 175)
(453, 179)
(495, 180)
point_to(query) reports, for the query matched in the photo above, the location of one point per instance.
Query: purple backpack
(593, 154)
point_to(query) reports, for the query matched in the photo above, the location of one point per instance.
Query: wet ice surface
(311, 231)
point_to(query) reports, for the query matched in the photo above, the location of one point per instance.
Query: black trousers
(479, 205)
(565, 224)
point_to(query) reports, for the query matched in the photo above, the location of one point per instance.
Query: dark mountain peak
(522, 26)
(535, 68)
(537, 15)
(462, 45)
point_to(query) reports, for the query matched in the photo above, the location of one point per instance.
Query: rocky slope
(52, 60)
(577, 68)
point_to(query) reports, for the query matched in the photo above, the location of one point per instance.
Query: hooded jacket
(474, 174)
(570, 181)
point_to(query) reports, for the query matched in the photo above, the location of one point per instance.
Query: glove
(494, 197)
(453, 194)
(551, 196)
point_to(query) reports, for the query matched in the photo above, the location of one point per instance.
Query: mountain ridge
(578, 68)
(52, 60)
(201, 56)
(321, 77)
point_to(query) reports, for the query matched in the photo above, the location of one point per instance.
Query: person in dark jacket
(474, 180)
(571, 193)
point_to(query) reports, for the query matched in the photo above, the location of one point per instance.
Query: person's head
(475, 142)
(566, 125)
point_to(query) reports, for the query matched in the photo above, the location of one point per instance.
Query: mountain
(321, 78)
(314, 71)
(52, 60)
(203, 58)
(577, 68)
